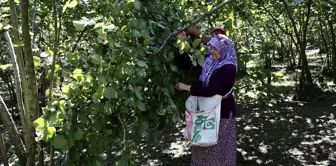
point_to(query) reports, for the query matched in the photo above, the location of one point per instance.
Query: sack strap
(228, 94)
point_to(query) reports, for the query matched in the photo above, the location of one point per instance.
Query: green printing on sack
(209, 124)
(206, 124)
(197, 128)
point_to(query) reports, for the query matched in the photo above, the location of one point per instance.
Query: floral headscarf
(226, 49)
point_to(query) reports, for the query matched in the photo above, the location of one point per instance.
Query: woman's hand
(182, 87)
(181, 35)
(194, 31)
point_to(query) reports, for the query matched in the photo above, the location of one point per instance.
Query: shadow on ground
(290, 133)
(285, 133)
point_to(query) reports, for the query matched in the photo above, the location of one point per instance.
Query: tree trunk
(304, 44)
(13, 133)
(302, 41)
(20, 63)
(31, 115)
(3, 150)
(333, 48)
(325, 45)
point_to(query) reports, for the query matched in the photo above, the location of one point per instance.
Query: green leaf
(161, 26)
(171, 103)
(51, 132)
(194, 63)
(66, 89)
(201, 61)
(136, 33)
(123, 161)
(108, 109)
(182, 45)
(145, 33)
(96, 59)
(137, 5)
(137, 92)
(141, 106)
(79, 26)
(278, 74)
(209, 7)
(99, 93)
(144, 122)
(37, 61)
(161, 110)
(50, 52)
(147, 41)
(73, 4)
(141, 63)
(40, 124)
(171, 55)
(6, 66)
(19, 44)
(178, 41)
(196, 42)
(78, 134)
(77, 74)
(110, 92)
(203, 50)
(59, 141)
(198, 54)
(116, 44)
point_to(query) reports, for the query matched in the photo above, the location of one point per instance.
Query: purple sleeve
(220, 82)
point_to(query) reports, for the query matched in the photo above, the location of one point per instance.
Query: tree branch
(292, 20)
(17, 80)
(34, 23)
(276, 21)
(79, 38)
(197, 20)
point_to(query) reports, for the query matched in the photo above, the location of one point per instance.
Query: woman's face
(214, 53)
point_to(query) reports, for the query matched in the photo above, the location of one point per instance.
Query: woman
(218, 77)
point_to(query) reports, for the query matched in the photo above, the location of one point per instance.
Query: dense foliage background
(90, 80)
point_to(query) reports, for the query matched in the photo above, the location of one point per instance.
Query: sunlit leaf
(81, 24)
(278, 74)
(66, 89)
(51, 131)
(6, 66)
(77, 74)
(40, 124)
(196, 42)
(73, 3)
(19, 44)
(99, 93)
